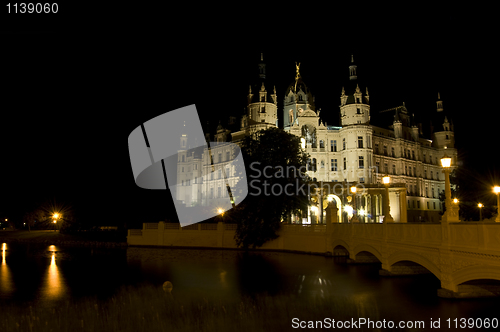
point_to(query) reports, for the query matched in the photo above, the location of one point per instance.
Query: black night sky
(73, 88)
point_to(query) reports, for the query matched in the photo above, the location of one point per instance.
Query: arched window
(321, 144)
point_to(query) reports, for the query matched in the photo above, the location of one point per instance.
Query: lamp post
(480, 206)
(387, 210)
(451, 213)
(55, 217)
(496, 190)
(355, 211)
(221, 212)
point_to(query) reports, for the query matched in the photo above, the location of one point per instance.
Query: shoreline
(55, 238)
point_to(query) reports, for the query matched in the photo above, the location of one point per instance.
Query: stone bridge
(465, 257)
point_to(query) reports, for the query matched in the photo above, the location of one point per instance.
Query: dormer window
(300, 97)
(263, 98)
(358, 111)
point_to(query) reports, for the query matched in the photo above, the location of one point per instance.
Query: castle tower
(354, 105)
(262, 109)
(356, 132)
(443, 136)
(298, 99)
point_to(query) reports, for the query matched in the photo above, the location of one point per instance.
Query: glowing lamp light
(56, 215)
(496, 189)
(348, 209)
(479, 205)
(386, 179)
(446, 162)
(219, 210)
(353, 189)
(455, 200)
(329, 198)
(314, 209)
(303, 143)
(362, 212)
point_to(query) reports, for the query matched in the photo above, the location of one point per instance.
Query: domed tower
(356, 132)
(262, 109)
(443, 135)
(297, 100)
(354, 104)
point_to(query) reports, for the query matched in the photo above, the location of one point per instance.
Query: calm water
(45, 274)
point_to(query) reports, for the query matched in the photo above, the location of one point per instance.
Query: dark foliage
(277, 184)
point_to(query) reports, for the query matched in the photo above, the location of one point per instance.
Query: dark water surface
(45, 274)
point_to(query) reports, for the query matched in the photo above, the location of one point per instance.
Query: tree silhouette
(277, 184)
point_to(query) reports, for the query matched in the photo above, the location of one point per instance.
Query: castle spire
(439, 103)
(352, 69)
(262, 67)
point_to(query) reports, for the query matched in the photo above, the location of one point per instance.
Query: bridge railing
(460, 236)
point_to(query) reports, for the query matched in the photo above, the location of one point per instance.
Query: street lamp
(480, 206)
(55, 217)
(355, 211)
(387, 215)
(496, 190)
(451, 213)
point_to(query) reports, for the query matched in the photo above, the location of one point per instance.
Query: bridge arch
(415, 258)
(341, 243)
(365, 247)
(476, 272)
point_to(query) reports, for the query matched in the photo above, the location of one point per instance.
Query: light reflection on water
(54, 285)
(6, 284)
